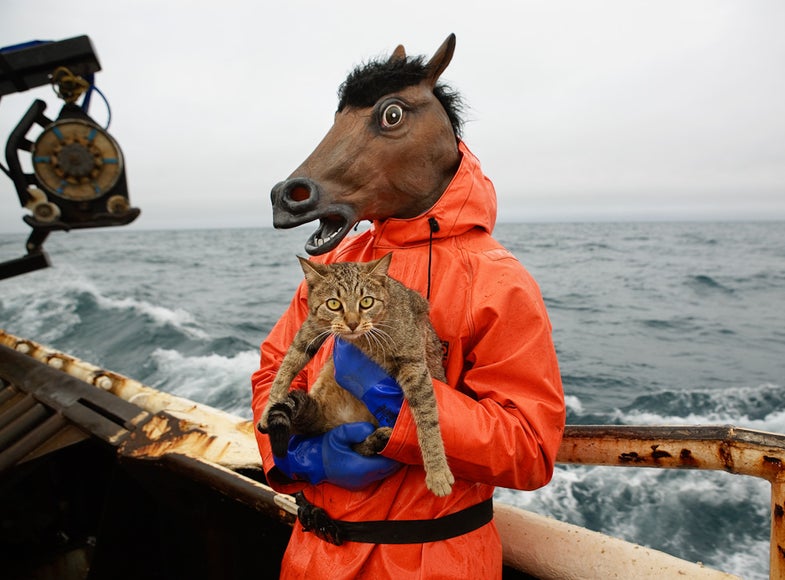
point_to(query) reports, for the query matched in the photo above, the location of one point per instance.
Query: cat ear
(312, 270)
(380, 266)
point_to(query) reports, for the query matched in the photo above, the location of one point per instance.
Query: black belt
(315, 519)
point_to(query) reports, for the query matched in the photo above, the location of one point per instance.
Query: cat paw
(279, 426)
(263, 425)
(374, 443)
(440, 483)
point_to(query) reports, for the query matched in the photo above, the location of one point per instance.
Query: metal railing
(724, 448)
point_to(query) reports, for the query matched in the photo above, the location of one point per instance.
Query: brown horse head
(391, 152)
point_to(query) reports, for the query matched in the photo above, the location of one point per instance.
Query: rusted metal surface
(212, 443)
(226, 445)
(777, 555)
(724, 448)
(167, 424)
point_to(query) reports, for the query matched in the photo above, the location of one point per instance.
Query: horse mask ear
(440, 60)
(398, 54)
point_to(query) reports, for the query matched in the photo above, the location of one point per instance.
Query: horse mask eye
(392, 115)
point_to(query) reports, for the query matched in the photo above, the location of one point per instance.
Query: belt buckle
(315, 519)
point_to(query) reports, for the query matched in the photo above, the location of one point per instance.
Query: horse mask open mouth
(297, 201)
(332, 229)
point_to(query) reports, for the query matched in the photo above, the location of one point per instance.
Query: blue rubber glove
(367, 381)
(330, 457)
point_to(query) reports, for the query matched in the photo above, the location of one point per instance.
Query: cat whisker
(382, 336)
(381, 326)
(377, 346)
(372, 337)
(318, 338)
(382, 340)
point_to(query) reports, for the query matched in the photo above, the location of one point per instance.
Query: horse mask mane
(391, 152)
(369, 82)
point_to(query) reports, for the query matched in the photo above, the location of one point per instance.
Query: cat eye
(333, 304)
(366, 302)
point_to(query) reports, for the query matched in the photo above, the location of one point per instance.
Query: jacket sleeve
(502, 417)
(273, 350)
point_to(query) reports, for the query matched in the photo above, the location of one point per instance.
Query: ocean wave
(78, 305)
(759, 407)
(702, 283)
(698, 516)
(676, 323)
(572, 302)
(573, 404)
(213, 379)
(177, 318)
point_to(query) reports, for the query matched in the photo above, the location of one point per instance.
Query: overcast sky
(578, 110)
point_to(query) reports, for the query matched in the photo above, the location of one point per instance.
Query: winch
(77, 178)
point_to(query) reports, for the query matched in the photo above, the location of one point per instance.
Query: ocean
(654, 323)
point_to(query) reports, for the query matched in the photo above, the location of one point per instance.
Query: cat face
(351, 313)
(348, 297)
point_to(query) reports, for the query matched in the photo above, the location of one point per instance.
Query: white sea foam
(573, 404)
(727, 406)
(35, 311)
(209, 377)
(664, 509)
(160, 315)
(773, 423)
(49, 315)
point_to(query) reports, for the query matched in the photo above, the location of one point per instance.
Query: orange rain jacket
(501, 411)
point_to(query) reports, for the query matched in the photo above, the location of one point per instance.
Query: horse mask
(391, 152)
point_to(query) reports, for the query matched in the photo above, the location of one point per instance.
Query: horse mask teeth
(329, 233)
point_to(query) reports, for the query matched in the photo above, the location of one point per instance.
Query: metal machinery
(77, 175)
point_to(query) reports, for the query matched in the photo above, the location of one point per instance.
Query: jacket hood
(468, 202)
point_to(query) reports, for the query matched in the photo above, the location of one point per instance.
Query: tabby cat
(360, 303)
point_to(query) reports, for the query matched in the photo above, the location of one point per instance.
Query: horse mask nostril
(299, 193)
(294, 197)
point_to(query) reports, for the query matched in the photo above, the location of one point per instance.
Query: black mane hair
(367, 83)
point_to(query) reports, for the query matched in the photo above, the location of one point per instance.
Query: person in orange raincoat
(501, 410)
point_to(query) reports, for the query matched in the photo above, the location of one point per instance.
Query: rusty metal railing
(725, 448)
